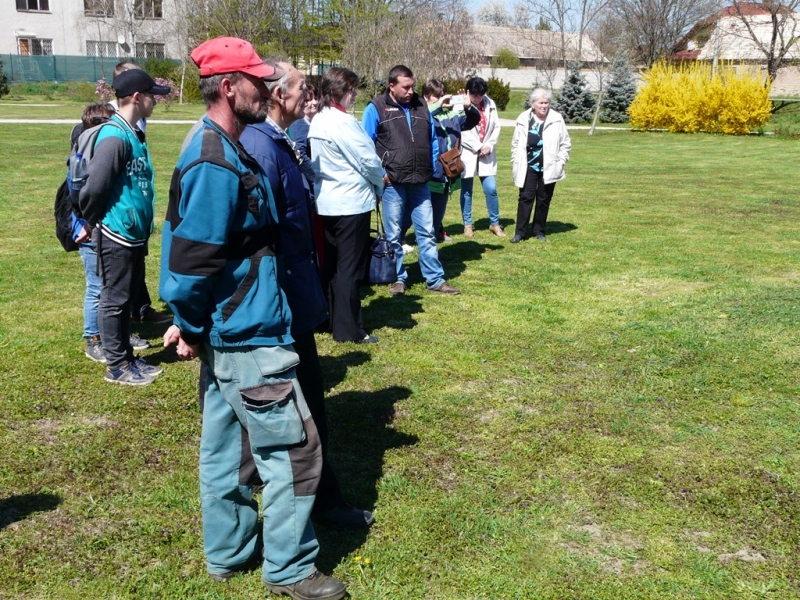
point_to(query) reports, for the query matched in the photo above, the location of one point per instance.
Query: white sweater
(347, 171)
(555, 146)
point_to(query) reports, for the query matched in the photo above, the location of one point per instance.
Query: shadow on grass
(454, 257)
(334, 368)
(396, 312)
(17, 508)
(360, 425)
(556, 227)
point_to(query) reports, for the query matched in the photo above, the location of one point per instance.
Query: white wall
(69, 28)
(524, 77)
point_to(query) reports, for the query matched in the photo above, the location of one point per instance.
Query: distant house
(725, 36)
(100, 28)
(535, 48)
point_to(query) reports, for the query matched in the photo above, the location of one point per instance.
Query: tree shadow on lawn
(17, 508)
(361, 432)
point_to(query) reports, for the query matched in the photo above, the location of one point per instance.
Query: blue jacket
(300, 281)
(219, 271)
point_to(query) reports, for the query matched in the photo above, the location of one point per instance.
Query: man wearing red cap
(219, 276)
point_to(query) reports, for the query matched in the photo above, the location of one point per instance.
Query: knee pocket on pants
(273, 418)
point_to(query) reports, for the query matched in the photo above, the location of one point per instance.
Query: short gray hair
(285, 81)
(538, 94)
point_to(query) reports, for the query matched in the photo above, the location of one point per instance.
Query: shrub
(160, 67)
(575, 102)
(686, 98)
(505, 59)
(106, 93)
(620, 92)
(499, 92)
(3, 81)
(453, 84)
(82, 91)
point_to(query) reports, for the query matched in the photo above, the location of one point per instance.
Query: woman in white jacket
(347, 178)
(480, 159)
(539, 150)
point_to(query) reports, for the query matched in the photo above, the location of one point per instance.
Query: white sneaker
(407, 249)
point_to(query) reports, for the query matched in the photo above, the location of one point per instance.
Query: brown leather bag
(451, 162)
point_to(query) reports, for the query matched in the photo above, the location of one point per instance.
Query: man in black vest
(402, 128)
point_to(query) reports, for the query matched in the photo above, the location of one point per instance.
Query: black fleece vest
(405, 153)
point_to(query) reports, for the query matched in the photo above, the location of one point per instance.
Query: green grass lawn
(611, 414)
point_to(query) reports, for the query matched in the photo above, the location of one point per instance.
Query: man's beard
(245, 116)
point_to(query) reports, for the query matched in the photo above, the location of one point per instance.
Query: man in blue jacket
(220, 277)
(269, 145)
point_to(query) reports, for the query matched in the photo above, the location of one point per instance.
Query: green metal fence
(58, 68)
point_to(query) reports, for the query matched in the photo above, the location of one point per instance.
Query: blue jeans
(91, 299)
(399, 198)
(492, 201)
(252, 397)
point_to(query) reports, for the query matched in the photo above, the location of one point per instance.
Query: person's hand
(486, 150)
(185, 351)
(386, 179)
(84, 236)
(467, 102)
(445, 100)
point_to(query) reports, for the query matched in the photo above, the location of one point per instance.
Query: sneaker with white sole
(94, 349)
(127, 374)
(138, 343)
(145, 369)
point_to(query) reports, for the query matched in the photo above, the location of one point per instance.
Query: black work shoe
(314, 587)
(516, 239)
(344, 516)
(368, 339)
(540, 237)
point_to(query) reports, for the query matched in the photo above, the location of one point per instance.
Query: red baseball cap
(229, 54)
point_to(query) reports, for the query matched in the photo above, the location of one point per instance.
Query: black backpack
(63, 214)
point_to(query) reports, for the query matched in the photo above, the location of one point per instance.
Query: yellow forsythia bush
(685, 98)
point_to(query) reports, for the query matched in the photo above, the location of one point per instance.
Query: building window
(148, 9)
(101, 48)
(35, 46)
(150, 50)
(98, 8)
(37, 5)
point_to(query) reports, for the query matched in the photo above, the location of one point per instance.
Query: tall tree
(653, 27)
(494, 13)
(773, 29)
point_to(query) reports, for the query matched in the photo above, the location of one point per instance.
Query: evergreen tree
(575, 102)
(3, 81)
(620, 92)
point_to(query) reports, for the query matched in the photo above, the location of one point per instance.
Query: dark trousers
(534, 190)
(309, 377)
(120, 269)
(141, 299)
(346, 255)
